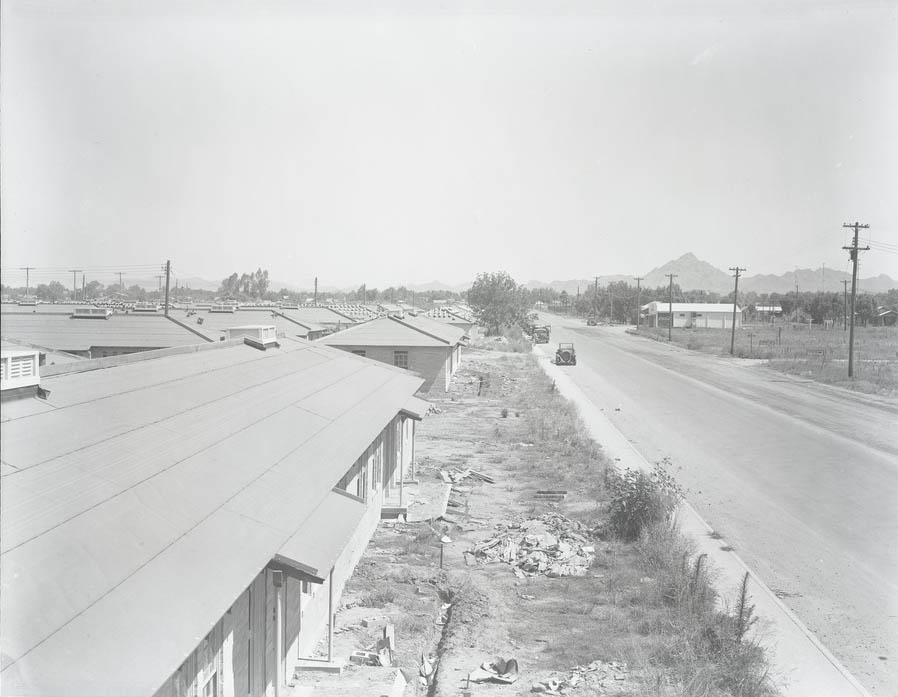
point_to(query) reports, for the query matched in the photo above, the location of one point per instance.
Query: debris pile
(500, 671)
(597, 678)
(433, 409)
(551, 545)
(455, 475)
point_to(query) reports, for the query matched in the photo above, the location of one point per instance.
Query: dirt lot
(608, 610)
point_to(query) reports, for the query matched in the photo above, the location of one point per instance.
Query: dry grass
(795, 350)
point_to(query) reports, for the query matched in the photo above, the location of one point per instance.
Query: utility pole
(83, 294)
(121, 286)
(735, 299)
(638, 305)
(27, 270)
(671, 276)
(167, 277)
(316, 291)
(74, 273)
(853, 250)
(844, 304)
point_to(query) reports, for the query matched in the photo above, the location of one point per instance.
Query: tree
(497, 301)
(93, 289)
(52, 292)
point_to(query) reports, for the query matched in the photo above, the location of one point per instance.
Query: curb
(568, 389)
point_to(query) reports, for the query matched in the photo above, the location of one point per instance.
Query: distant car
(565, 355)
(591, 321)
(541, 335)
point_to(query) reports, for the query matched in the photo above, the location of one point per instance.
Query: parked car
(591, 321)
(541, 335)
(565, 355)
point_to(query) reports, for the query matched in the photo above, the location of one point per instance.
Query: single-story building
(449, 316)
(91, 332)
(214, 325)
(691, 315)
(885, 317)
(326, 317)
(182, 522)
(423, 345)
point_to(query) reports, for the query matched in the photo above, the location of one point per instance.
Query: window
(359, 352)
(400, 359)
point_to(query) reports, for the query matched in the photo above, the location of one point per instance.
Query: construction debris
(454, 476)
(500, 670)
(551, 545)
(597, 678)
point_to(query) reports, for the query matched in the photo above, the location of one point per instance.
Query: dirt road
(800, 478)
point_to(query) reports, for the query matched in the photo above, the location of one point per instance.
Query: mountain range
(692, 274)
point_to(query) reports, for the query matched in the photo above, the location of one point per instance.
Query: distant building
(420, 344)
(65, 329)
(183, 522)
(691, 315)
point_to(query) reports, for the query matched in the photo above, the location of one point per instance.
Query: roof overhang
(415, 408)
(312, 551)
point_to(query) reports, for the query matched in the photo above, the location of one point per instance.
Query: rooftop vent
(258, 335)
(92, 313)
(223, 307)
(19, 370)
(146, 307)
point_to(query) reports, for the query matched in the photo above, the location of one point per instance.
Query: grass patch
(795, 349)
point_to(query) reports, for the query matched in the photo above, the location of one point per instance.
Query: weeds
(640, 500)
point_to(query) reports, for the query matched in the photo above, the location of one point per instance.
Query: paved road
(800, 478)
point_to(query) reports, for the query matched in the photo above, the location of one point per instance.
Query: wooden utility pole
(595, 299)
(852, 252)
(844, 304)
(27, 270)
(735, 300)
(167, 277)
(316, 291)
(121, 286)
(611, 296)
(638, 305)
(74, 273)
(671, 276)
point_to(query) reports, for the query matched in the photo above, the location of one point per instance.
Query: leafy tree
(52, 292)
(497, 301)
(94, 289)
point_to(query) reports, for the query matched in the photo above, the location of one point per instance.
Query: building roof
(318, 315)
(660, 307)
(58, 331)
(131, 486)
(405, 331)
(357, 311)
(214, 324)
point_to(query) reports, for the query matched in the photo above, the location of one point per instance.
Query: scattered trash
(551, 545)
(500, 670)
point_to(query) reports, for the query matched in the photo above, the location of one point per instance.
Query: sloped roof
(58, 331)
(133, 483)
(214, 324)
(317, 315)
(660, 306)
(405, 331)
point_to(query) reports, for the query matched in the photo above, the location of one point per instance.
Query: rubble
(500, 671)
(597, 678)
(551, 545)
(454, 476)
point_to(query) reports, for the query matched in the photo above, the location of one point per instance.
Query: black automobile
(565, 355)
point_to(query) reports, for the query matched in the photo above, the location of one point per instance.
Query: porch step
(307, 665)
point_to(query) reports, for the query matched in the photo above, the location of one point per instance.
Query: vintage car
(541, 335)
(565, 355)
(591, 321)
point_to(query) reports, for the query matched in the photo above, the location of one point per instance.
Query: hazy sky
(432, 140)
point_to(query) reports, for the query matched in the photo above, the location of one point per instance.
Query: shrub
(640, 500)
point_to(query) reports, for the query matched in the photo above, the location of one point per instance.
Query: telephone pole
(74, 273)
(121, 286)
(735, 299)
(167, 277)
(595, 300)
(844, 304)
(27, 270)
(671, 276)
(611, 296)
(638, 306)
(853, 250)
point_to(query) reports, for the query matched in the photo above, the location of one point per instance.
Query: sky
(435, 140)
